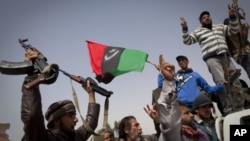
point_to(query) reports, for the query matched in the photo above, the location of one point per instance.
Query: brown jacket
(33, 119)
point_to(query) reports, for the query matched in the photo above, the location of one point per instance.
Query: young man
(175, 118)
(61, 115)
(203, 117)
(189, 131)
(211, 39)
(189, 83)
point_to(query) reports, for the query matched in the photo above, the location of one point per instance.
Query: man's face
(204, 112)
(134, 133)
(68, 122)
(183, 63)
(186, 115)
(107, 137)
(206, 20)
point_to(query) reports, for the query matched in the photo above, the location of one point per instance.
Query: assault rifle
(47, 73)
(93, 84)
(241, 37)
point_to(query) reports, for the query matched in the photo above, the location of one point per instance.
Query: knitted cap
(201, 100)
(203, 13)
(59, 109)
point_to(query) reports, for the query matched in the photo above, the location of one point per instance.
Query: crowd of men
(180, 113)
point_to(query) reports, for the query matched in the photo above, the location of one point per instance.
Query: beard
(135, 137)
(207, 25)
(70, 132)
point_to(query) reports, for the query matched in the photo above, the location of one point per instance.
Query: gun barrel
(65, 73)
(75, 78)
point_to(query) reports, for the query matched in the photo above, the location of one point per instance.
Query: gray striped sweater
(212, 42)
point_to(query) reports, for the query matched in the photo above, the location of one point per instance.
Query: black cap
(201, 100)
(181, 56)
(204, 13)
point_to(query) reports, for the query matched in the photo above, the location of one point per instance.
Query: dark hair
(124, 124)
(203, 13)
(182, 103)
(111, 133)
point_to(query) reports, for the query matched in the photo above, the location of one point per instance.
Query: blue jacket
(160, 80)
(189, 84)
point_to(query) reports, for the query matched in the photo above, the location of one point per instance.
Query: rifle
(241, 42)
(93, 84)
(47, 73)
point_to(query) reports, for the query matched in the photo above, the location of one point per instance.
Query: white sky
(59, 29)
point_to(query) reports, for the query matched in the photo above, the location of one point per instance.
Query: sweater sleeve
(189, 38)
(233, 27)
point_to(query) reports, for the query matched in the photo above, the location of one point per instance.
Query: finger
(228, 7)
(88, 84)
(146, 110)
(154, 106)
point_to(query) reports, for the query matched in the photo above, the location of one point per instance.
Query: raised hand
(31, 54)
(152, 112)
(167, 69)
(90, 92)
(183, 22)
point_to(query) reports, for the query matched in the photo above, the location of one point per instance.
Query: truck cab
(222, 124)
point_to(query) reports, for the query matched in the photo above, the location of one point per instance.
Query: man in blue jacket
(189, 83)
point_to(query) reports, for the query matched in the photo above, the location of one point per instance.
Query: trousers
(231, 97)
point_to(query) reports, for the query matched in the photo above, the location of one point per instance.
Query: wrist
(184, 29)
(232, 17)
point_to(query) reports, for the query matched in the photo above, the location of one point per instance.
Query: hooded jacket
(189, 84)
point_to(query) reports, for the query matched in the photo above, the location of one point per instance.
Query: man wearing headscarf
(61, 115)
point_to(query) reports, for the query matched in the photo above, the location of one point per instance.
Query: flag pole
(151, 63)
(155, 65)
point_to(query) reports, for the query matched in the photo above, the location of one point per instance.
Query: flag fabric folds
(107, 62)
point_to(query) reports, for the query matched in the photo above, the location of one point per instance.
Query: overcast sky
(60, 28)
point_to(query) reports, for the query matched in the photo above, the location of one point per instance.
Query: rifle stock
(93, 84)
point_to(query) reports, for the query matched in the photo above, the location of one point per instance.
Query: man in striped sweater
(212, 40)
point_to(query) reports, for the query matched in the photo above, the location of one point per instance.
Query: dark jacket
(33, 119)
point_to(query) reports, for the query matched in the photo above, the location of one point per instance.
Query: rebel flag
(107, 62)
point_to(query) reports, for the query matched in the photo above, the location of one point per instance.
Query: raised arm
(31, 107)
(168, 108)
(92, 114)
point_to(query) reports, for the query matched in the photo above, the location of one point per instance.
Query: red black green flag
(108, 62)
